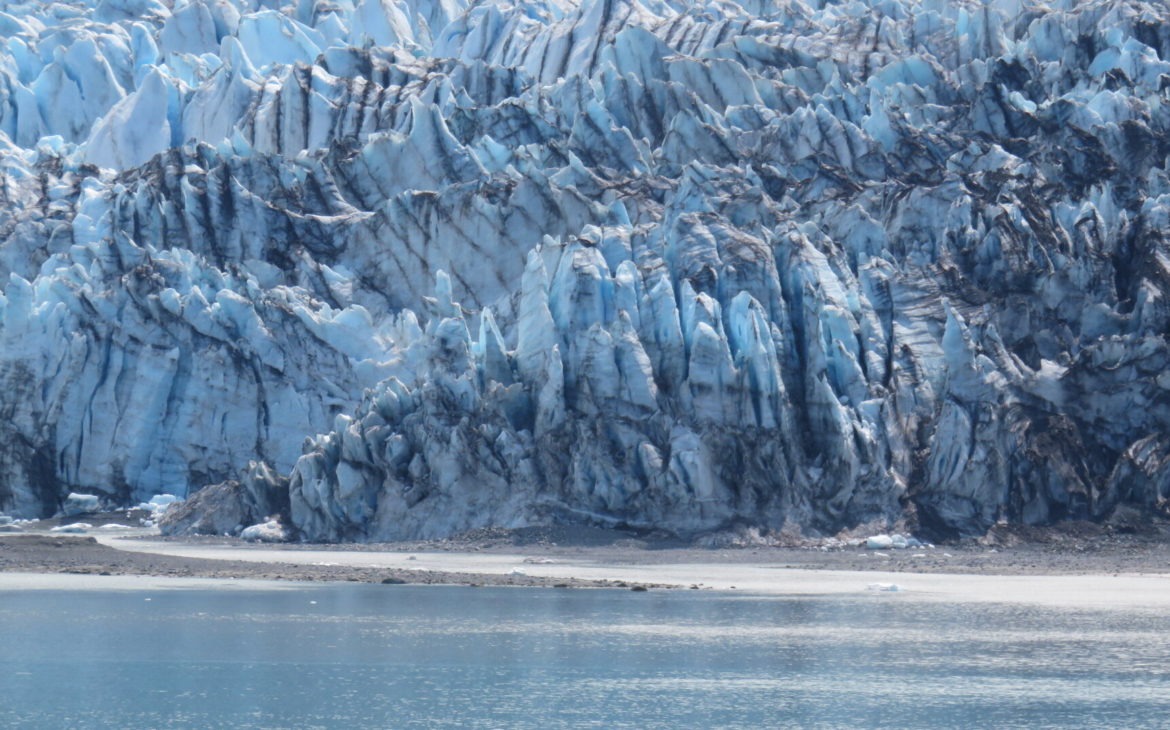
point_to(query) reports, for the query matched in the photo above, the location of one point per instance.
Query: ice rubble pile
(669, 264)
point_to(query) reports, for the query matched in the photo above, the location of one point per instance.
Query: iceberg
(80, 504)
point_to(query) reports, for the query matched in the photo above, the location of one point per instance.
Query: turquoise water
(346, 656)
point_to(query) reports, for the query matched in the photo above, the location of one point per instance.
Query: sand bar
(1098, 591)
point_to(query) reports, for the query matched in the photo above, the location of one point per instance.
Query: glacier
(388, 269)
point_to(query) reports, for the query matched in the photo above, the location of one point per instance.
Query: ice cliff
(401, 268)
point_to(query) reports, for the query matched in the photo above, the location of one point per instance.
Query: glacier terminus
(390, 269)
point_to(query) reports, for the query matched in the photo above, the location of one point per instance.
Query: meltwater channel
(356, 656)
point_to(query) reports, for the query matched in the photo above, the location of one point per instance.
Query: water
(347, 656)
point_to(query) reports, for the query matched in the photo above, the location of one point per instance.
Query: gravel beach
(1068, 550)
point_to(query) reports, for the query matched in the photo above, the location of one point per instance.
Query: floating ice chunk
(879, 542)
(270, 531)
(5, 520)
(77, 528)
(517, 571)
(899, 542)
(80, 504)
(115, 526)
(884, 587)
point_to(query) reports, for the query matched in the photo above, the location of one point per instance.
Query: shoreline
(87, 555)
(1092, 572)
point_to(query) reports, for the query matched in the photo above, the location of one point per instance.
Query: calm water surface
(346, 656)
